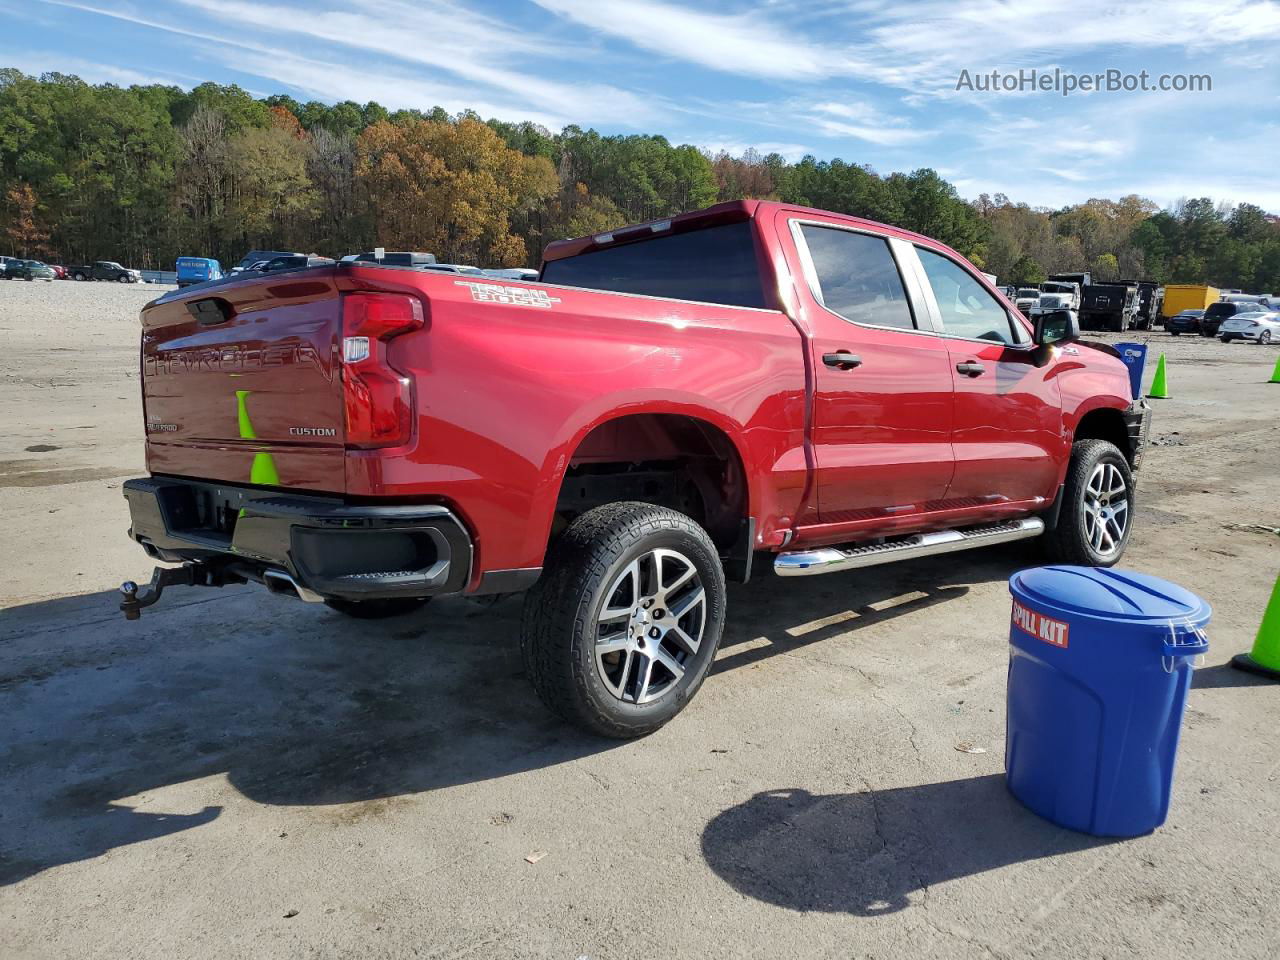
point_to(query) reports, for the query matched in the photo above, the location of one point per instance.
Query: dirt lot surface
(242, 775)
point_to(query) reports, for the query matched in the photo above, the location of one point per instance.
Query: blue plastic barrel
(1099, 666)
(1134, 356)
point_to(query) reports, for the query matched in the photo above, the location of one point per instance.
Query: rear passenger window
(711, 264)
(967, 309)
(858, 277)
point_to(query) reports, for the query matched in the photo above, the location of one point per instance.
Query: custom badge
(516, 296)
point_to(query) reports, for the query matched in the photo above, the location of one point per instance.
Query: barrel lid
(1108, 593)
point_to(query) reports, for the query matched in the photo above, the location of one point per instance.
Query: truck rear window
(713, 265)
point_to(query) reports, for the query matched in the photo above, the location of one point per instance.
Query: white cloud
(741, 43)
(1075, 176)
(474, 48)
(328, 81)
(922, 44)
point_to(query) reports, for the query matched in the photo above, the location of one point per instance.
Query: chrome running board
(808, 563)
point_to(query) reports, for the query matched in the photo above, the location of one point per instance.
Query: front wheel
(622, 627)
(1097, 507)
(77, 276)
(1264, 337)
(125, 278)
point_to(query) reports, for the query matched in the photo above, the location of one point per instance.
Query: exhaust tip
(277, 581)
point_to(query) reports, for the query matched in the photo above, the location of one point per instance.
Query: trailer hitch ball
(130, 602)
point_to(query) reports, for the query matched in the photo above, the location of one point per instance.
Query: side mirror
(1058, 326)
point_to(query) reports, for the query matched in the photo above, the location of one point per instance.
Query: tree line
(146, 174)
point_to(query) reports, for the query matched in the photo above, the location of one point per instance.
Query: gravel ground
(241, 775)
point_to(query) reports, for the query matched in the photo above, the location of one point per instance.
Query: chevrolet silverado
(662, 405)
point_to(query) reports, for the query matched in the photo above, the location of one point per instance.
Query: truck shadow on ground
(296, 705)
(866, 853)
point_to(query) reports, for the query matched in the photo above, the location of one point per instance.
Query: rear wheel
(377, 609)
(1264, 337)
(621, 629)
(1097, 507)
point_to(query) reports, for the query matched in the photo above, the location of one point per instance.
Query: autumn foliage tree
(451, 188)
(148, 173)
(24, 231)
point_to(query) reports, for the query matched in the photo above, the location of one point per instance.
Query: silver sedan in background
(1262, 326)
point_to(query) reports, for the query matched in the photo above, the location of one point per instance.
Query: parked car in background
(105, 270)
(4, 264)
(253, 257)
(454, 268)
(1216, 313)
(292, 261)
(29, 270)
(197, 270)
(1260, 301)
(396, 258)
(1188, 321)
(59, 270)
(512, 273)
(1262, 326)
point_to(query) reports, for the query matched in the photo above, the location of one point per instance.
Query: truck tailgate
(242, 382)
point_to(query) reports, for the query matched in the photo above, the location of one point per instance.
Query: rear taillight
(378, 397)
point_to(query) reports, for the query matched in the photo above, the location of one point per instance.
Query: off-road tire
(377, 609)
(1067, 542)
(560, 618)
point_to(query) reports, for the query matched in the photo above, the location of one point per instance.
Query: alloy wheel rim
(651, 626)
(1106, 509)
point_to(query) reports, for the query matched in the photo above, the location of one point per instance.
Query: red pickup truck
(622, 435)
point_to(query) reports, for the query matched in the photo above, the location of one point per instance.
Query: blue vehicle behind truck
(192, 270)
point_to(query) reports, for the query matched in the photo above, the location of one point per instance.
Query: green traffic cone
(1159, 388)
(1264, 659)
(1275, 374)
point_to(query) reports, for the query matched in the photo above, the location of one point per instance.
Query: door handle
(842, 360)
(971, 368)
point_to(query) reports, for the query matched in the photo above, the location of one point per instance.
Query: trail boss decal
(517, 296)
(1039, 626)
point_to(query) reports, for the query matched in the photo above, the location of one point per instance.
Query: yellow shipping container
(1187, 296)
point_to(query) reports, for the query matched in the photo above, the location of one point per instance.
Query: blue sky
(871, 81)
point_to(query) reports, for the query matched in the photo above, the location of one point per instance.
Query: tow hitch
(193, 573)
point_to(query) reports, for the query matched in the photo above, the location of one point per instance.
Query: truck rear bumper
(325, 547)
